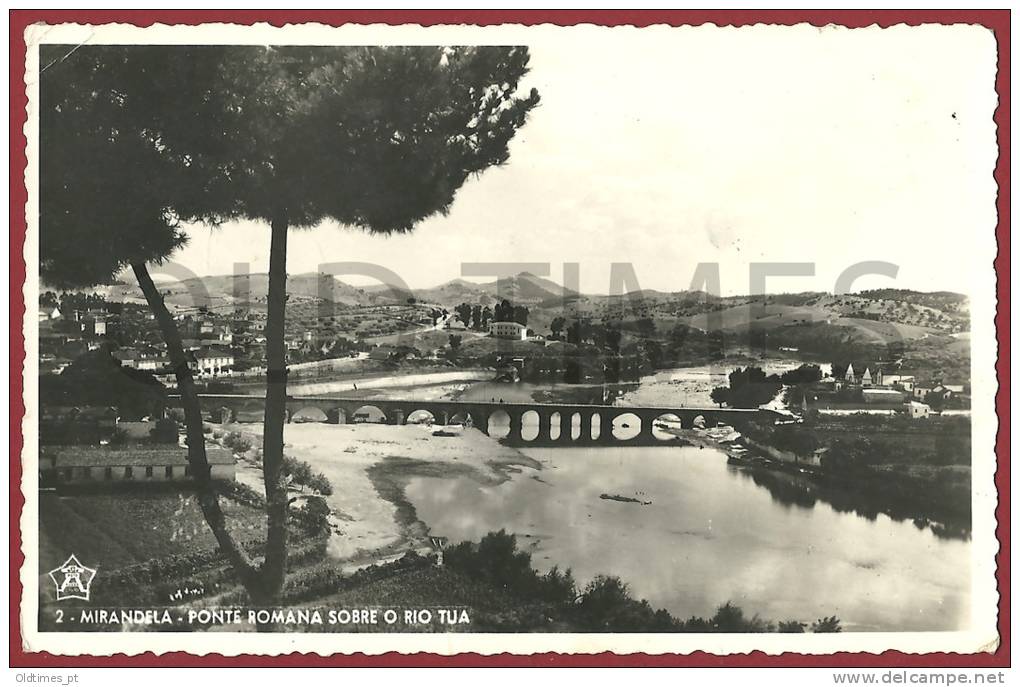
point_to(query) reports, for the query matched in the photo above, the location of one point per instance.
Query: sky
(669, 148)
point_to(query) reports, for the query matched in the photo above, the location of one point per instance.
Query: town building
(152, 364)
(878, 395)
(509, 330)
(138, 463)
(852, 378)
(905, 382)
(918, 410)
(214, 361)
(127, 357)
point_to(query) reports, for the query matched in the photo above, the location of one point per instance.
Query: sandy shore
(370, 464)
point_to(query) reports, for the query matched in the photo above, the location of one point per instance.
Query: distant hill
(869, 314)
(229, 291)
(525, 289)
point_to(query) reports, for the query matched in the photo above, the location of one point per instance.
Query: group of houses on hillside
(877, 388)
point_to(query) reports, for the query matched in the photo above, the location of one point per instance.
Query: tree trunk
(199, 464)
(275, 567)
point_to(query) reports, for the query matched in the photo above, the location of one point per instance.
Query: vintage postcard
(508, 338)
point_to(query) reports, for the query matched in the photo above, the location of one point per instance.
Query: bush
(313, 517)
(242, 493)
(301, 474)
(237, 442)
(165, 432)
(828, 624)
(117, 437)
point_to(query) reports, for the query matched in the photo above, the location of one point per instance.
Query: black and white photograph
(510, 339)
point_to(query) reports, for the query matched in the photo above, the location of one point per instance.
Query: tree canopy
(372, 137)
(106, 190)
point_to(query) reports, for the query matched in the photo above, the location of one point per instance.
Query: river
(711, 533)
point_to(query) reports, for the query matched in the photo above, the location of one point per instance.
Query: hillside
(875, 315)
(525, 288)
(229, 291)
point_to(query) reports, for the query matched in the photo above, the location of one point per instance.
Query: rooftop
(134, 455)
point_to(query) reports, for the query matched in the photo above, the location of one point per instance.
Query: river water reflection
(710, 534)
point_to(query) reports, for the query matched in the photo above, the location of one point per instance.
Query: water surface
(711, 534)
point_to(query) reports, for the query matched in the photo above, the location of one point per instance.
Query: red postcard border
(995, 20)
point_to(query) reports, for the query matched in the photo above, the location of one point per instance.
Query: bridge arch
(309, 413)
(626, 426)
(420, 416)
(499, 424)
(369, 413)
(555, 426)
(574, 425)
(662, 425)
(530, 422)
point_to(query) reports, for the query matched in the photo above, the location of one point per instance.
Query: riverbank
(369, 466)
(869, 466)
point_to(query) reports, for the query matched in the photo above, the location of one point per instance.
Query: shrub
(117, 437)
(237, 442)
(607, 606)
(301, 474)
(313, 517)
(164, 432)
(242, 493)
(828, 624)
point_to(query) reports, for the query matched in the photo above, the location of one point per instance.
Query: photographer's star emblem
(72, 579)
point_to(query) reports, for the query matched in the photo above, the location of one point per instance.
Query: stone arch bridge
(558, 424)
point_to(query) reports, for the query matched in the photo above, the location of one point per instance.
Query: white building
(151, 364)
(918, 410)
(873, 395)
(214, 361)
(905, 382)
(509, 330)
